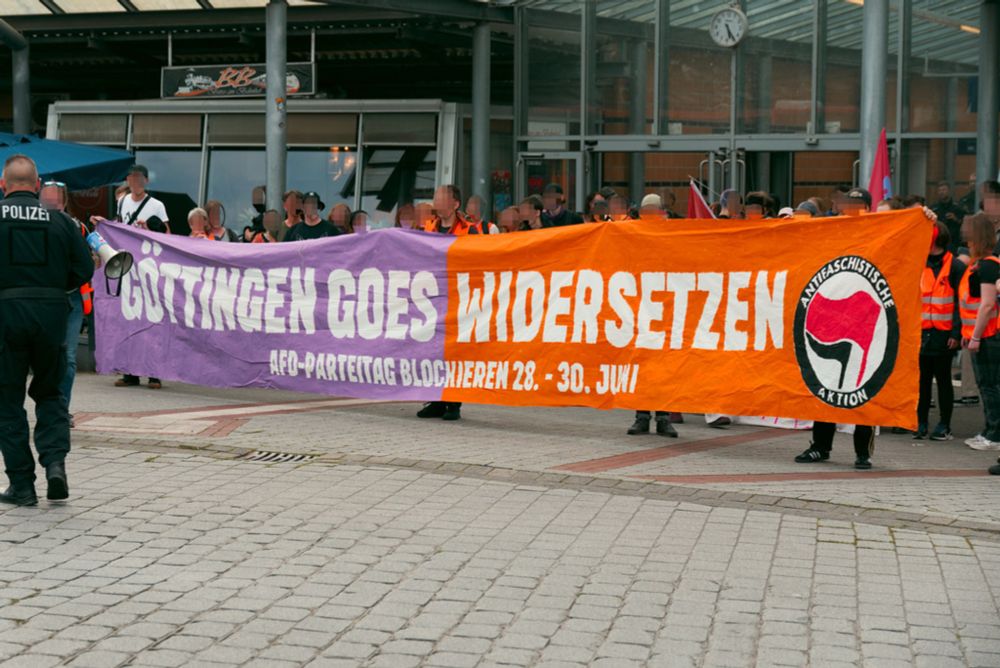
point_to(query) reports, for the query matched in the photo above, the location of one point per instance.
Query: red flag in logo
(697, 206)
(833, 324)
(880, 183)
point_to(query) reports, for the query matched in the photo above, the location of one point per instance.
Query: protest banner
(810, 319)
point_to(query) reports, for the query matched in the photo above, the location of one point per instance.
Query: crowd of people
(959, 283)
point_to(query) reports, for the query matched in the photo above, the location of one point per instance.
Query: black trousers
(660, 415)
(864, 438)
(32, 336)
(936, 368)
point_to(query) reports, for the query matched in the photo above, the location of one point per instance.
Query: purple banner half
(358, 315)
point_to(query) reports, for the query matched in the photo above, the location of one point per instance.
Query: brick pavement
(493, 541)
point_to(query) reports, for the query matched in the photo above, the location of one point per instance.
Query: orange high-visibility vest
(968, 306)
(459, 228)
(938, 296)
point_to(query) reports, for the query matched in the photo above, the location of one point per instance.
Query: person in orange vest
(941, 333)
(447, 220)
(54, 195)
(977, 304)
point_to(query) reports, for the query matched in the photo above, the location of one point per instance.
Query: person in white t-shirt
(138, 207)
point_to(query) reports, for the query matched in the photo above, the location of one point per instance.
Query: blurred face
(472, 208)
(425, 213)
(527, 211)
(551, 201)
(136, 182)
(361, 223)
(508, 220)
(991, 204)
(271, 222)
(754, 211)
(445, 205)
(215, 217)
(650, 212)
(407, 216)
(618, 207)
(600, 210)
(943, 191)
(198, 223)
(51, 197)
(594, 203)
(883, 206)
(852, 207)
(293, 204)
(339, 215)
(310, 207)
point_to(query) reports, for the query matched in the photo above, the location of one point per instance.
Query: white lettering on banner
(282, 300)
(567, 307)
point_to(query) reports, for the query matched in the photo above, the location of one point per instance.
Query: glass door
(537, 170)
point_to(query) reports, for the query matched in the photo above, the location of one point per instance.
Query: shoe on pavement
(899, 430)
(967, 401)
(432, 409)
(921, 432)
(55, 474)
(640, 426)
(452, 412)
(720, 422)
(942, 432)
(980, 442)
(121, 382)
(862, 463)
(677, 418)
(664, 428)
(155, 384)
(811, 455)
(22, 495)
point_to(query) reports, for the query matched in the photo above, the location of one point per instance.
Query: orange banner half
(816, 319)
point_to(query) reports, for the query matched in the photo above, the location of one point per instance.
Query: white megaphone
(116, 263)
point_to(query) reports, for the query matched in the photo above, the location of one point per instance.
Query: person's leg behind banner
(822, 443)
(73, 326)
(864, 446)
(926, 391)
(941, 369)
(641, 424)
(663, 426)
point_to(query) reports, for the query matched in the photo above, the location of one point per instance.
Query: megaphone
(116, 263)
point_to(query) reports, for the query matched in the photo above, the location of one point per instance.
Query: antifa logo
(846, 332)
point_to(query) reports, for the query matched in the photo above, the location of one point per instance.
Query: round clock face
(728, 27)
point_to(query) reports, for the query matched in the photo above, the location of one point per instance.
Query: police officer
(42, 255)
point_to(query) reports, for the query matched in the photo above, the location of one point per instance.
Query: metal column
(989, 94)
(481, 114)
(817, 116)
(21, 77)
(588, 90)
(874, 54)
(637, 120)
(905, 8)
(520, 96)
(276, 130)
(661, 69)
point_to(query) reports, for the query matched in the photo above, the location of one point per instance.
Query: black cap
(139, 169)
(860, 195)
(553, 188)
(314, 195)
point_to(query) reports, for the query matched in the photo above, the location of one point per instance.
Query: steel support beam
(520, 110)
(874, 55)
(904, 47)
(637, 119)
(481, 114)
(588, 85)
(20, 75)
(989, 94)
(276, 131)
(817, 117)
(661, 68)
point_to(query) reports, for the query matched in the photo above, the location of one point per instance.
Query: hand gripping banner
(816, 319)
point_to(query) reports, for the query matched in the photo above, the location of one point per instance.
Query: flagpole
(702, 184)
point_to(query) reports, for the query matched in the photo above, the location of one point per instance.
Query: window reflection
(172, 171)
(394, 176)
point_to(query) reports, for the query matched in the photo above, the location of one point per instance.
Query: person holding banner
(977, 297)
(42, 255)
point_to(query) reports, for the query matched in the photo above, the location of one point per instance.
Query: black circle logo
(846, 332)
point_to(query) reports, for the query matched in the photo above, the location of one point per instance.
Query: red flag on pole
(880, 183)
(697, 206)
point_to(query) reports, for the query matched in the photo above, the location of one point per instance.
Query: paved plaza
(211, 527)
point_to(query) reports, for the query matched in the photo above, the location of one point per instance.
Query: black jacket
(39, 247)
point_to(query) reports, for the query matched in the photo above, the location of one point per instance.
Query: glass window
(232, 176)
(394, 176)
(90, 6)
(625, 67)
(93, 128)
(172, 171)
(236, 129)
(554, 79)
(400, 128)
(19, 7)
(152, 5)
(166, 129)
(330, 172)
(323, 129)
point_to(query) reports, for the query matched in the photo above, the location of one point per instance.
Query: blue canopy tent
(79, 166)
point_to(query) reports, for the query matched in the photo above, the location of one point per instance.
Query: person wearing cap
(555, 213)
(313, 226)
(651, 207)
(855, 202)
(140, 208)
(786, 212)
(807, 207)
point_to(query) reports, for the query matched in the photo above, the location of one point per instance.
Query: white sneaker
(980, 442)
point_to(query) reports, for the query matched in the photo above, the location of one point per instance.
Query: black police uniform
(42, 255)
